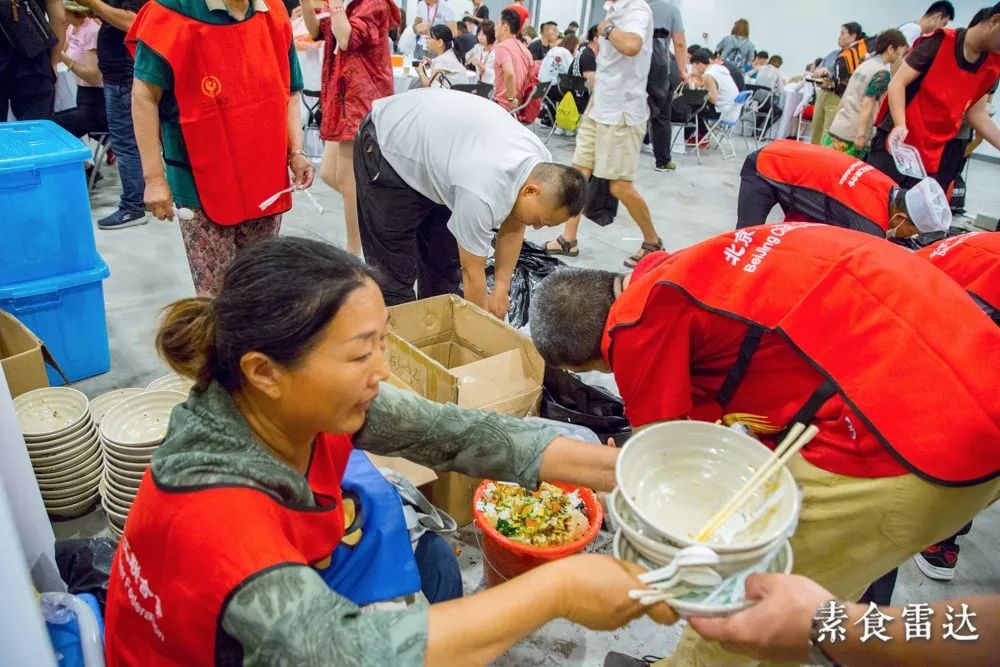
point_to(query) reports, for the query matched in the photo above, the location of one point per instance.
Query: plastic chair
(804, 130)
(695, 101)
(577, 85)
(759, 113)
(480, 89)
(541, 90)
(722, 130)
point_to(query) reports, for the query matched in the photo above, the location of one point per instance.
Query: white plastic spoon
(697, 554)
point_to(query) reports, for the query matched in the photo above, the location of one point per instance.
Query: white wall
(802, 31)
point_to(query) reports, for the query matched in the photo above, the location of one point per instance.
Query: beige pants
(824, 113)
(854, 530)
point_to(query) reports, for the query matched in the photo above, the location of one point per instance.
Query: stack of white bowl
(63, 445)
(673, 477)
(130, 433)
(171, 382)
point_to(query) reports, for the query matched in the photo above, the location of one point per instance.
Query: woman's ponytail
(186, 339)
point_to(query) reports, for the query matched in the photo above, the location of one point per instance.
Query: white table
(792, 97)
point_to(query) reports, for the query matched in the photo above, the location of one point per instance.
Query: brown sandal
(568, 248)
(644, 250)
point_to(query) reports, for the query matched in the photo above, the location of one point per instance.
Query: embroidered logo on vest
(211, 85)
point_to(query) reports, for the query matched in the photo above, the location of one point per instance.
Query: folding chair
(758, 113)
(312, 143)
(480, 89)
(577, 85)
(102, 141)
(804, 130)
(693, 103)
(541, 90)
(721, 131)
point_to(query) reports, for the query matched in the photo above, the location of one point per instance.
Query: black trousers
(32, 100)
(404, 234)
(89, 115)
(660, 125)
(757, 197)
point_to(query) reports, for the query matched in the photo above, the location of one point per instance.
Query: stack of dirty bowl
(171, 382)
(63, 446)
(130, 433)
(672, 478)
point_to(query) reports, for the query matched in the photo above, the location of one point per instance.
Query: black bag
(85, 565)
(658, 80)
(24, 25)
(533, 264)
(601, 206)
(567, 398)
(958, 195)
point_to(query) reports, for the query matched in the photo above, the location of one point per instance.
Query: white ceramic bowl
(172, 382)
(73, 509)
(85, 481)
(660, 552)
(50, 411)
(79, 434)
(124, 487)
(141, 419)
(70, 467)
(688, 604)
(129, 469)
(64, 454)
(676, 475)
(120, 498)
(81, 471)
(115, 517)
(100, 405)
(115, 501)
(42, 441)
(135, 451)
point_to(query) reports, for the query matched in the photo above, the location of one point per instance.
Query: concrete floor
(149, 270)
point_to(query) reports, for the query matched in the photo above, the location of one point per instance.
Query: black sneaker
(122, 219)
(668, 166)
(938, 562)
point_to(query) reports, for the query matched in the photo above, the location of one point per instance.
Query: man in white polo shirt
(610, 135)
(438, 166)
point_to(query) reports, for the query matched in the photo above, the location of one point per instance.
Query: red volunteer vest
(973, 261)
(184, 553)
(860, 187)
(232, 86)
(843, 301)
(934, 115)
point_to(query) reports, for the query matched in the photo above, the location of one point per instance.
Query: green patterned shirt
(287, 615)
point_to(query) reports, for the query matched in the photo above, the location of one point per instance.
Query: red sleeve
(652, 360)
(368, 25)
(648, 263)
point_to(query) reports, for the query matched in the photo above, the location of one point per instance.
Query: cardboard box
(451, 351)
(416, 473)
(21, 356)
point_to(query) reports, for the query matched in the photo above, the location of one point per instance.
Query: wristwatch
(817, 656)
(607, 31)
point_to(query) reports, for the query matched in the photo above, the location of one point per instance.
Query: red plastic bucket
(504, 558)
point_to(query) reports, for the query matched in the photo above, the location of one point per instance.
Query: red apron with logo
(844, 302)
(973, 261)
(232, 86)
(166, 596)
(934, 115)
(860, 187)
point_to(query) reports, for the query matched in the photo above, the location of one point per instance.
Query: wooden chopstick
(798, 436)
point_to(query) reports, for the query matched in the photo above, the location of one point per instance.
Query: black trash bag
(85, 565)
(923, 240)
(601, 206)
(532, 266)
(567, 398)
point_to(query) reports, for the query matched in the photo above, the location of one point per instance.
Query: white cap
(928, 207)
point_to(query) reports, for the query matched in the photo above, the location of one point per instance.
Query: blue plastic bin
(45, 224)
(67, 313)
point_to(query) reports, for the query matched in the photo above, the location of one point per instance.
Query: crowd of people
(285, 337)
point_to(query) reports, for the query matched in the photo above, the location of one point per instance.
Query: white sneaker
(560, 132)
(647, 148)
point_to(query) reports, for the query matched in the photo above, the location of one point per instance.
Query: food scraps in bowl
(548, 517)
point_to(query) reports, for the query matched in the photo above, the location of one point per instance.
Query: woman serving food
(258, 534)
